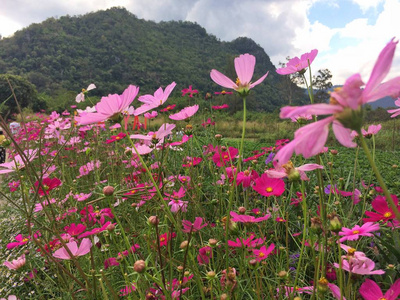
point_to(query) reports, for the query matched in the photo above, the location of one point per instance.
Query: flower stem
(379, 177)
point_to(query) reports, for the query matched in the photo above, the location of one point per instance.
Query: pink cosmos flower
(396, 111)
(17, 163)
(83, 249)
(14, 185)
(247, 243)
(247, 219)
(74, 230)
(95, 231)
(185, 113)
(158, 136)
(223, 93)
(178, 205)
(267, 186)
(191, 161)
(165, 238)
(372, 130)
(82, 196)
(357, 262)
(205, 255)
(11, 297)
(115, 138)
(369, 290)
(218, 107)
(92, 216)
(357, 231)
(15, 264)
(383, 211)
(185, 138)
(244, 66)
(263, 252)
(288, 170)
(246, 178)
(159, 97)
(189, 91)
(208, 122)
(127, 290)
(111, 106)
(193, 227)
(221, 158)
(151, 115)
(345, 106)
(81, 96)
(47, 185)
(298, 64)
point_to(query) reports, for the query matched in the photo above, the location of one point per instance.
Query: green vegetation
(114, 48)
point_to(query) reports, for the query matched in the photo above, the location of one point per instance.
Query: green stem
(379, 177)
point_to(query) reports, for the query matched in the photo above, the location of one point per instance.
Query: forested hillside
(114, 48)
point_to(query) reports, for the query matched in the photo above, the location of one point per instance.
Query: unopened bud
(212, 242)
(139, 266)
(334, 152)
(110, 227)
(335, 222)
(108, 190)
(184, 244)
(153, 220)
(211, 275)
(242, 210)
(218, 137)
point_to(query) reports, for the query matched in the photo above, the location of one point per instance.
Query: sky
(349, 34)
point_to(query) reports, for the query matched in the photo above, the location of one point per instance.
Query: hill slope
(114, 48)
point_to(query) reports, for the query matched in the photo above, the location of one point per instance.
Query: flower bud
(334, 152)
(110, 227)
(153, 220)
(139, 266)
(242, 210)
(316, 225)
(108, 190)
(323, 285)
(211, 275)
(218, 137)
(335, 222)
(184, 244)
(212, 242)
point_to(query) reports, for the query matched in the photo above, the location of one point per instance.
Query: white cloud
(365, 5)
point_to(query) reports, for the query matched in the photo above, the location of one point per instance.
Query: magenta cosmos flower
(244, 66)
(298, 64)
(193, 227)
(110, 107)
(189, 91)
(345, 108)
(267, 186)
(185, 113)
(247, 219)
(83, 249)
(263, 252)
(369, 290)
(288, 170)
(357, 231)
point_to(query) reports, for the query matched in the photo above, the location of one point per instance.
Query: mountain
(113, 48)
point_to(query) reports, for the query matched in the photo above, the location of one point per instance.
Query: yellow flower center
(246, 172)
(162, 239)
(25, 240)
(269, 189)
(351, 251)
(261, 254)
(356, 231)
(387, 214)
(238, 81)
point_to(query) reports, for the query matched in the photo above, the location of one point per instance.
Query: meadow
(153, 202)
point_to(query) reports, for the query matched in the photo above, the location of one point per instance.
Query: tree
(25, 93)
(321, 85)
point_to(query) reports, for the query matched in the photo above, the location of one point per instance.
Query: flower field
(96, 206)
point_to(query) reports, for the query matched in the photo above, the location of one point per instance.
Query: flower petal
(222, 80)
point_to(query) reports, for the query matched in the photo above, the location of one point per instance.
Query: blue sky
(349, 34)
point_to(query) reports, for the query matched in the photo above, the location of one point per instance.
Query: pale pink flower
(372, 130)
(396, 111)
(178, 205)
(244, 66)
(158, 136)
(345, 107)
(11, 297)
(111, 106)
(298, 64)
(81, 96)
(151, 115)
(185, 113)
(15, 264)
(159, 96)
(357, 231)
(83, 249)
(18, 162)
(369, 290)
(288, 170)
